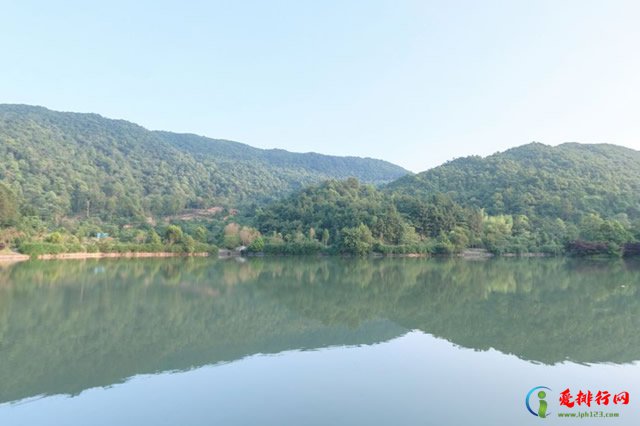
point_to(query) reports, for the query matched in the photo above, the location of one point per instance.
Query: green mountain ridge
(575, 198)
(64, 164)
(85, 175)
(203, 147)
(565, 181)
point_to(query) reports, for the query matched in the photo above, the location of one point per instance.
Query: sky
(416, 83)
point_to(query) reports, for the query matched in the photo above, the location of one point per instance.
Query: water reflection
(71, 325)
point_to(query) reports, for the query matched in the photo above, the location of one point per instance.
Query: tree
(497, 230)
(154, 238)
(140, 237)
(54, 238)
(173, 234)
(590, 227)
(247, 235)
(614, 232)
(189, 244)
(325, 236)
(8, 206)
(358, 240)
(257, 245)
(201, 234)
(459, 238)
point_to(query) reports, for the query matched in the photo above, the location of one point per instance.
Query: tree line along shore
(332, 218)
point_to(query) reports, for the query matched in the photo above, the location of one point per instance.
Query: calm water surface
(302, 341)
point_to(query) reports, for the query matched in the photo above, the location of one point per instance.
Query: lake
(318, 341)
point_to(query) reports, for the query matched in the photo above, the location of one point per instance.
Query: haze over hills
(566, 181)
(64, 164)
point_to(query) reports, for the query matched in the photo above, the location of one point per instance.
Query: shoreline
(18, 257)
(468, 255)
(14, 257)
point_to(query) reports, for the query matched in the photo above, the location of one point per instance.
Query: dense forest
(568, 181)
(66, 164)
(81, 182)
(581, 199)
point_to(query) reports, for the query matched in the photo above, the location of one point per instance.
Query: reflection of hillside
(67, 326)
(547, 310)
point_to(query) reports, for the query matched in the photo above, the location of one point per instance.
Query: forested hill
(568, 181)
(64, 164)
(370, 170)
(580, 199)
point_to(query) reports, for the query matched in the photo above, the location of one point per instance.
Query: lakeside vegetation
(82, 183)
(348, 217)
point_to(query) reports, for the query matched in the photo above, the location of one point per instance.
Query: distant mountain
(567, 181)
(63, 164)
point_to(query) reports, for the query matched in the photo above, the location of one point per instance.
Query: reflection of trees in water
(546, 310)
(66, 326)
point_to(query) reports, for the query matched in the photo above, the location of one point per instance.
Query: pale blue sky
(413, 82)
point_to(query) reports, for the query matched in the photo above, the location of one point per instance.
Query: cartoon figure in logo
(542, 410)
